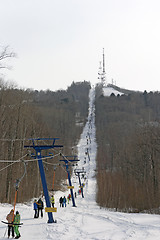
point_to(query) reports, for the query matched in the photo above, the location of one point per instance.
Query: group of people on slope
(62, 201)
(13, 224)
(38, 207)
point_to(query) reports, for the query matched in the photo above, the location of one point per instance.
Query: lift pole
(17, 183)
(67, 161)
(77, 173)
(38, 149)
(53, 178)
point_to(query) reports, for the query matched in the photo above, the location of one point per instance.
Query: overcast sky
(61, 41)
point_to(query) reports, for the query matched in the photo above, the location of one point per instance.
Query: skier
(40, 207)
(64, 202)
(52, 201)
(61, 202)
(35, 207)
(68, 199)
(16, 226)
(10, 219)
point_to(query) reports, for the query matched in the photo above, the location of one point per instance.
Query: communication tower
(102, 72)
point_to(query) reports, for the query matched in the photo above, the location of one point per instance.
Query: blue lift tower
(38, 148)
(68, 160)
(77, 173)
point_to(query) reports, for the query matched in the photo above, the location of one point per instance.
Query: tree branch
(4, 54)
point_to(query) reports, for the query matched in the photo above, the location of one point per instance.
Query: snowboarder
(40, 207)
(52, 201)
(16, 226)
(10, 219)
(61, 202)
(35, 207)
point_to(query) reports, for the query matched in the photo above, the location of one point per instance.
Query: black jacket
(40, 204)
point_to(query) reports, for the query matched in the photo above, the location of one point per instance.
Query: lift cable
(36, 159)
(8, 165)
(29, 160)
(10, 140)
(53, 164)
(12, 162)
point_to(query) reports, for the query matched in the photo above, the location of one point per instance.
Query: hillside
(87, 220)
(127, 133)
(27, 114)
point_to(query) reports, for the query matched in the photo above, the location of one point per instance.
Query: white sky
(61, 41)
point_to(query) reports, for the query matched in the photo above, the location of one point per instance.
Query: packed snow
(107, 91)
(87, 220)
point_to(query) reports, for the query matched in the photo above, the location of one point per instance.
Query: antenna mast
(102, 73)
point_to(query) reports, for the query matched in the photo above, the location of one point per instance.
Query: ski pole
(5, 232)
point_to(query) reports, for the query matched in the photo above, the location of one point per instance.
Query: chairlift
(16, 185)
(53, 177)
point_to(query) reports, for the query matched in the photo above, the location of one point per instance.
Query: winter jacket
(40, 204)
(52, 200)
(10, 217)
(17, 219)
(35, 206)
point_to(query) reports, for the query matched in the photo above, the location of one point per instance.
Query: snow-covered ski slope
(107, 91)
(87, 220)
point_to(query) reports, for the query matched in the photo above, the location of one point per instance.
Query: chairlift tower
(77, 173)
(67, 160)
(38, 148)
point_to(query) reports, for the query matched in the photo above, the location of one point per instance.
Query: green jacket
(17, 219)
(52, 200)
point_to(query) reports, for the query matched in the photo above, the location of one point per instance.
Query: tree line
(27, 114)
(128, 158)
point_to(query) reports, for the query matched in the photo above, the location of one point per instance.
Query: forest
(128, 159)
(31, 114)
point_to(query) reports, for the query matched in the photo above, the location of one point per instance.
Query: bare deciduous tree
(5, 53)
